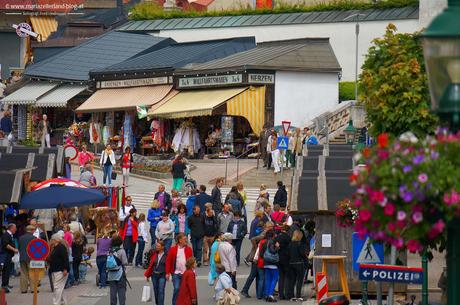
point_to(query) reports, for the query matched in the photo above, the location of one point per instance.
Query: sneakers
(245, 294)
(271, 299)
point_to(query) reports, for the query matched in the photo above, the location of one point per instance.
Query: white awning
(59, 96)
(29, 94)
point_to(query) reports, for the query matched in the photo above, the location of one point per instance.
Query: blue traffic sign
(38, 249)
(390, 273)
(282, 143)
(366, 252)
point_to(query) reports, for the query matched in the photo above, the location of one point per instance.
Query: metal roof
(410, 12)
(181, 54)
(59, 96)
(29, 94)
(308, 54)
(102, 51)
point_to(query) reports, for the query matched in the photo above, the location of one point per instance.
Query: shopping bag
(146, 295)
(114, 176)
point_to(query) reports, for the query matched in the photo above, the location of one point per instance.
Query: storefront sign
(218, 80)
(134, 82)
(261, 78)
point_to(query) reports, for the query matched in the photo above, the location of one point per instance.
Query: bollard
(321, 286)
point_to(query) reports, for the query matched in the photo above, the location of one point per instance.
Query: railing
(253, 147)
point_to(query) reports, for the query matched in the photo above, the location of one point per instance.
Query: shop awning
(124, 98)
(195, 103)
(251, 105)
(59, 96)
(44, 26)
(29, 94)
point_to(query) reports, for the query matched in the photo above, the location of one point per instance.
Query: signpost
(38, 251)
(391, 273)
(282, 143)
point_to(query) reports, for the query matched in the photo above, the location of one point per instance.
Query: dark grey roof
(102, 51)
(309, 54)
(181, 54)
(410, 12)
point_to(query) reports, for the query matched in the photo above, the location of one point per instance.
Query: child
(85, 263)
(142, 239)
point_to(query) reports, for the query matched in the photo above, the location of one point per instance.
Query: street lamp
(356, 16)
(441, 45)
(350, 132)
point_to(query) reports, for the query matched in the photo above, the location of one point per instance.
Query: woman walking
(126, 164)
(157, 272)
(142, 239)
(165, 230)
(297, 260)
(180, 220)
(187, 291)
(77, 253)
(129, 233)
(107, 162)
(103, 244)
(178, 172)
(59, 268)
(116, 275)
(154, 217)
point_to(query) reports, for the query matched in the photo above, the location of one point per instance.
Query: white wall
(342, 36)
(301, 96)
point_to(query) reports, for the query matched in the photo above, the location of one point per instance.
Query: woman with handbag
(269, 252)
(107, 161)
(157, 271)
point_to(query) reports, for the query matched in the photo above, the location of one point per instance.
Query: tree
(393, 85)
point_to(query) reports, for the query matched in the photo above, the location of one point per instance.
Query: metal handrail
(254, 146)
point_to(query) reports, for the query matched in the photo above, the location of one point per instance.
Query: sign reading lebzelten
(217, 80)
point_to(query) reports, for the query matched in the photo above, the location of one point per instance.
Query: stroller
(189, 183)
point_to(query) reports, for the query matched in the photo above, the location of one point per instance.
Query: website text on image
(61, 6)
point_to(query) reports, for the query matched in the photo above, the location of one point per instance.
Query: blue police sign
(390, 273)
(366, 252)
(282, 143)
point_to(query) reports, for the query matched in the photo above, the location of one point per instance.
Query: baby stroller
(189, 183)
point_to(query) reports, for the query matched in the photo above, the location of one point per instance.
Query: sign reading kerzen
(390, 273)
(217, 80)
(261, 78)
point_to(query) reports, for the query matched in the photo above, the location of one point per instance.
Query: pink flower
(436, 229)
(376, 196)
(365, 215)
(401, 224)
(391, 227)
(401, 215)
(423, 178)
(414, 246)
(398, 243)
(417, 217)
(389, 209)
(358, 203)
(383, 154)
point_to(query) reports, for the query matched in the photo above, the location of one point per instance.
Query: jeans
(152, 236)
(76, 269)
(168, 244)
(107, 173)
(71, 277)
(6, 271)
(261, 284)
(271, 278)
(237, 244)
(83, 271)
(197, 246)
(297, 275)
(130, 247)
(252, 276)
(176, 279)
(159, 283)
(100, 262)
(140, 251)
(118, 289)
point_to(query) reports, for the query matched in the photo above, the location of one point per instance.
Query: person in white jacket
(228, 256)
(107, 162)
(141, 240)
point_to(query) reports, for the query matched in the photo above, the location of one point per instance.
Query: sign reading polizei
(261, 78)
(37, 265)
(138, 82)
(218, 80)
(390, 273)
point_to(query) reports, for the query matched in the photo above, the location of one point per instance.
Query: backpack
(217, 255)
(113, 263)
(270, 257)
(236, 205)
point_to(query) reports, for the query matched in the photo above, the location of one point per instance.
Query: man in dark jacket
(196, 224)
(238, 229)
(24, 260)
(8, 250)
(211, 228)
(164, 198)
(281, 195)
(216, 196)
(202, 198)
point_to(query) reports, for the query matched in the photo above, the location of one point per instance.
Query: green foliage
(29, 143)
(146, 11)
(393, 85)
(346, 91)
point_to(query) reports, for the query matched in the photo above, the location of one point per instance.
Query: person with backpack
(157, 272)
(116, 275)
(238, 229)
(278, 217)
(130, 234)
(298, 252)
(196, 224)
(103, 244)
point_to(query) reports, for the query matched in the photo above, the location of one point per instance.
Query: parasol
(57, 181)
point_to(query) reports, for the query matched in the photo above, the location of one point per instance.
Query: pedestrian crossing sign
(366, 252)
(282, 142)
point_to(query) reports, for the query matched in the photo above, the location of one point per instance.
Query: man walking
(202, 198)
(224, 218)
(8, 250)
(175, 263)
(281, 195)
(211, 228)
(216, 196)
(25, 281)
(228, 256)
(164, 198)
(196, 225)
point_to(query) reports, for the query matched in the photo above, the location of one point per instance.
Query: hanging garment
(105, 134)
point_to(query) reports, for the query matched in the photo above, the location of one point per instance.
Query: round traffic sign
(24, 26)
(70, 151)
(38, 249)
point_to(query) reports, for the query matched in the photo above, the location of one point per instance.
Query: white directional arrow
(366, 273)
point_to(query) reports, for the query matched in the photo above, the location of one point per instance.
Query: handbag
(270, 257)
(146, 295)
(114, 176)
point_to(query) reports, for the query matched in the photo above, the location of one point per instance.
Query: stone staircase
(255, 177)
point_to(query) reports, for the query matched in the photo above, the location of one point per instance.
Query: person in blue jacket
(191, 202)
(202, 198)
(154, 216)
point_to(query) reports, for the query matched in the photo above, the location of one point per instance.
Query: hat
(227, 236)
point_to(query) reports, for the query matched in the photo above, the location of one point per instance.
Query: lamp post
(441, 45)
(350, 132)
(356, 16)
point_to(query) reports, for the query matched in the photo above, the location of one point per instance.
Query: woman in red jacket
(129, 234)
(187, 291)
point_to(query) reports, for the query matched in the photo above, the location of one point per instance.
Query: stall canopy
(249, 104)
(60, 96)
(124, 98)
(44, 26)
(29, 94)
(195, 103)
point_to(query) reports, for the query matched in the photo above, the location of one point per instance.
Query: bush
(346, 91)
(393, 85)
